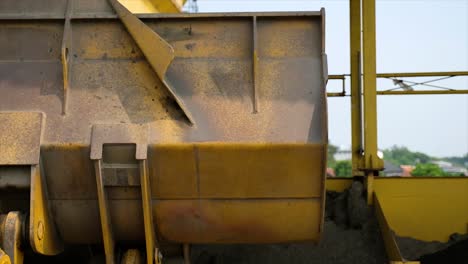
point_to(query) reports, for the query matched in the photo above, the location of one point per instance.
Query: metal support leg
(371, 160)
(150, 237)
(186, 250)
(11, 226)
(43, 236)
(132, 256)
(372, 163)
(106, 225)
(356, 106)
(133, 138)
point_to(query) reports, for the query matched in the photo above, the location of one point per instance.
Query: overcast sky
(412, 36)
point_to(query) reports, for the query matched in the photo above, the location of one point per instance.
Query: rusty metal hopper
(228, 145)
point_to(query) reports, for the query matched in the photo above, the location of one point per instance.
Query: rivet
(40, 230)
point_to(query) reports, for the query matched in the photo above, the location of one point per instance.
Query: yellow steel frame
(372, 163)
(355, 58)
(153, 6)
(364, 99)
(397, 200)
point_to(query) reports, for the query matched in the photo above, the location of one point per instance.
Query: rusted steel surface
(20, 136)
(250, 168)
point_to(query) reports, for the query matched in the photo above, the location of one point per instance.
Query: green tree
(343, 168)
(428, 169)
(403, 156)
(331, 162)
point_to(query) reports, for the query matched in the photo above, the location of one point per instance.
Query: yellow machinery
(164, 130)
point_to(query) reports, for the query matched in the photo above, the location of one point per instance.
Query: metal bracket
(20, 143)
(124, 134)
(255, 65)
(11, 227)
(65, 58)
(43, 236)
(186, 252)
(4, 259)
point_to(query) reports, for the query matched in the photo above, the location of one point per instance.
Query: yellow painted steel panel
(238, 221)
(337, 184)
(173, 171)
(424, 208)
(153, 6)
(217, 170)
(72, 165)
(224, 170)
(388, 236)
(139, 6)
(260, 170)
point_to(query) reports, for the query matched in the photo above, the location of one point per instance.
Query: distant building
(450, 168)
(391, 169)
(406, 170)
(442, 164)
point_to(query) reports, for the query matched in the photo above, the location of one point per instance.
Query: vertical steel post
(372, 163)
(370, 82)
(355, 57)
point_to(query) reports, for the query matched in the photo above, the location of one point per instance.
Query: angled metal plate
(157, 50)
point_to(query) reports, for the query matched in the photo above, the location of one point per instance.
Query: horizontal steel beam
(405, 74)
(419, 92)
(338, 76)
(107, 15)
(422, 74)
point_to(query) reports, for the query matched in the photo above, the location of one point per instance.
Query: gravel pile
(435, 252)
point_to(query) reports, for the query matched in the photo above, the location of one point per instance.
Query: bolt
(40, 230)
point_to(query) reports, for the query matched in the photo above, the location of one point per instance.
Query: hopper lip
(143, 16)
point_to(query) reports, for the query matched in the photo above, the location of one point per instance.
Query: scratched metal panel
(239, 221)
(213, 72)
